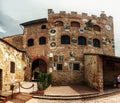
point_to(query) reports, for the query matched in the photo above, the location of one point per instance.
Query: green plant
(43, 80)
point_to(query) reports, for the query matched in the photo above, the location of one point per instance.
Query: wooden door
(0, 79)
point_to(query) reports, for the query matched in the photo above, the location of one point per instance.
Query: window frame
(30, 42)
(65, 39)
(42, 41)
(75, 24)
(60, 68)
(43, 27)
(96, 43)
(12, 67)
(82, 40)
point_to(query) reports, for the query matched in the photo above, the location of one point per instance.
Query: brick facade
(61, 42)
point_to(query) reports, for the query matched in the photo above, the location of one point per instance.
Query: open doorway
(111, 69)
(39, 65)
(0, 79)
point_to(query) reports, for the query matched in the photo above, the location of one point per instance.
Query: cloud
(2, 30)
(8, 26)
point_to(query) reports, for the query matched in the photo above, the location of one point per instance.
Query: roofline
(12, 46)
(12, 36)
(103, 55)
(43, 20)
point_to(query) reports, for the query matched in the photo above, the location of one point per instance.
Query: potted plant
(43, 81)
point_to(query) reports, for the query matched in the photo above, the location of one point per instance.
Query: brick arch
(39, 65)
(59, 23)
(96, 28)
(65, 39)
(41, 57)
(96, 42)
(75, 24)
(82, 40)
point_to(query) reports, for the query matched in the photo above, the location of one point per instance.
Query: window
(58, 23)
(65, 39)
(42, 40)
(75, 24)
(61, 58)
(96, 28)
(76, 66)
(81, 41)
(96, 43)
(12, 67)
(43, 27)
(30, 42)
(56, 58)
(59, 66)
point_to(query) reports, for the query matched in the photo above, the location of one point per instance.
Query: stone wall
(10, 54)
(16, 41)
(93, 71)
(68, 77)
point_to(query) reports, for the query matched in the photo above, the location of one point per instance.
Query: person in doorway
(118, 81)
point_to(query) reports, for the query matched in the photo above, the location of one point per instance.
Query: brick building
(75, 48)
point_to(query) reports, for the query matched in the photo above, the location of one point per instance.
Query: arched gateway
(39, 65)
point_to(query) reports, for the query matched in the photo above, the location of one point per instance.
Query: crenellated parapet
(51, 13)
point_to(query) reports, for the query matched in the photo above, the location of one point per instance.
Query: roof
(11, 45)
(43, 20)
(108, 57)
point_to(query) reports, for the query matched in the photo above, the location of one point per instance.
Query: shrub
(43, 80)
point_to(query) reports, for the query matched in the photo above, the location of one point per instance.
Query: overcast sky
(15, 12)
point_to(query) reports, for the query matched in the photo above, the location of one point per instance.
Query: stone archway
(38, 65)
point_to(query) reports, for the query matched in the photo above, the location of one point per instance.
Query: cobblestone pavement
(72, 90)
(69, 90)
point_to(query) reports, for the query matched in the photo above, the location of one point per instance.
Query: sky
(15, 12)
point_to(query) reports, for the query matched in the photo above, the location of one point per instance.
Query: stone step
(77, 97)
(20, 98)
(2, 98)
(16, 101)
(23, 96)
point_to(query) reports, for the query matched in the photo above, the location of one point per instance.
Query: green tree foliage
(44, 80)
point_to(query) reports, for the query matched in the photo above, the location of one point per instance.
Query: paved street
(110, 99)
(71, 91)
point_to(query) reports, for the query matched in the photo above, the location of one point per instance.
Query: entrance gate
(38, 66)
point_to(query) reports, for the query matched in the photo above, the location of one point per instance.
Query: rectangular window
(51, 58)
(51, 64)
(59, 66)
(61, 58)
(76, 66)
(12, 67)
(55, 58)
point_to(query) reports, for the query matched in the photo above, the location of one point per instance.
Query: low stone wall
(67, 78)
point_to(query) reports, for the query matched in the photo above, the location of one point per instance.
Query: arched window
(96, 43)
(65, 39)
(81, 40)
(42, 40)
(75, 24)
(30, 42)
(43, 27)
(58, 23)
(96, 28)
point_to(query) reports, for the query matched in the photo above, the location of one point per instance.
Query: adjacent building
(12, 65)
